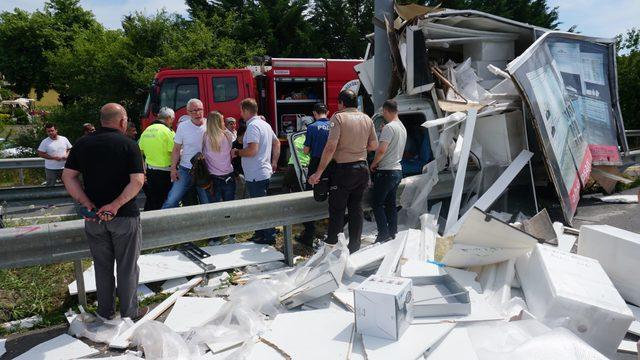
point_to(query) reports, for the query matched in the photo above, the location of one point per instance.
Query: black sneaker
(263, 241)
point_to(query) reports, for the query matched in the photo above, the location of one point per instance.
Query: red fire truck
(285, 89)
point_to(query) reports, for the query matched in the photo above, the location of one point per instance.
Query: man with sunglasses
(187, 143)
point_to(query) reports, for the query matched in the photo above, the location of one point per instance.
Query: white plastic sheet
(159, 342)
(97, 330)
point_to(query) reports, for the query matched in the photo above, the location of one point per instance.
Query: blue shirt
(258, 167)
(317, 134)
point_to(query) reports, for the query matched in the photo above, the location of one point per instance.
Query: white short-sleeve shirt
(190, 137)
(57, 147)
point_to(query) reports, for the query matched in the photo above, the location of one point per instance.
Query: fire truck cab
(285, 89)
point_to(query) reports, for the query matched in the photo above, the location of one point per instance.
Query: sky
(594, 17)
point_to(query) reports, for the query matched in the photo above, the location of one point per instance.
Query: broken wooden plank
(454, 207)
(123, 340)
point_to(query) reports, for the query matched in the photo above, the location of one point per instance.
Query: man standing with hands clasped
(387, 172)
(351, 135)
(111, 166)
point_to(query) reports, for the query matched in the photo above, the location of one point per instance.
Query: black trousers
(348, 184)
(156, 189)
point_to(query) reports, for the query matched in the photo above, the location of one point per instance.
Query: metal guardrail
(633, 134)
(21, 163)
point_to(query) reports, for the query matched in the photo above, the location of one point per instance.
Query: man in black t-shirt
(111, 166)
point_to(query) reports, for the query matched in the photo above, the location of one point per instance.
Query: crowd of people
(106, 169)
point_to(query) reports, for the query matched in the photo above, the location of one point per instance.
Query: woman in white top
(218, 142)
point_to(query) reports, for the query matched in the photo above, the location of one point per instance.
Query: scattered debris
(63, 347)
(26, 323)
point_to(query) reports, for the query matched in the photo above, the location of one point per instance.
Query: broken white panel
(458, 186)
(173, 264)
(565, 241)
(144, 292)
(456, 345)
(126, 356)
(2, 346)
(573, 291)
(314, 288)
(190, 312)
(620, 199)
(415, 268)
(501, 138)
(412, 246)
(391, 259)
(499, 186)
(172, 285)
(453, 118)
(365, 257)
(496, 282)
(366, 72)
(634, 328)
(628, 346)
(123, 340)
(357, 348)
(489, 50)
(428, 232)
(618, 252)
(328, 338)
(528, 340)
(414, 342)
(484, 240)
(63, 347)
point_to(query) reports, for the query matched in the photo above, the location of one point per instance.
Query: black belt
(351, 165)
(225, 178)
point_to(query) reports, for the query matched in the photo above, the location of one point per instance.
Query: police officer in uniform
(351, 135)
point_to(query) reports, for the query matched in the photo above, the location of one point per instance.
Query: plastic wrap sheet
(415, 195)
(528, 340)
(98, 330)
(467, 82)
(159, 342)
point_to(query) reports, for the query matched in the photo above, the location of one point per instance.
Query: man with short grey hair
(111, 167)
(156, 144)
(187, 143)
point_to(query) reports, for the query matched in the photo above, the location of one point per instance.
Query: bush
(5, 118)
(70, 118)
(22, 118)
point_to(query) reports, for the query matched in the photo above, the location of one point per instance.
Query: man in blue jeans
(187, 143)
(387, 172)
(260, 152)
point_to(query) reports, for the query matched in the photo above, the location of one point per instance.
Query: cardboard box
(383, 306)
(618, 251)
(573, 291)
(489, 50)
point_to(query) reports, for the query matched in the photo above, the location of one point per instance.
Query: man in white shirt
(54, 150)
(187, 143)
(260, 153)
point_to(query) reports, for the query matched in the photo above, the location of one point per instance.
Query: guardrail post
(82, 295)
(288, 244)
(21, 176)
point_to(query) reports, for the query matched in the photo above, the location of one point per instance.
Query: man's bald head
(113, 115)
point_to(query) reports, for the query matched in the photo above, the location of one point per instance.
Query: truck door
(225, 93)
(175, 92)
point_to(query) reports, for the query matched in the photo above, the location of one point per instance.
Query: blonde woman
(218, 142)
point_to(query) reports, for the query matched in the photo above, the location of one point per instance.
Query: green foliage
(25, 38)
(629, 77)
(69, 119)
(21, 117)
(6, 94)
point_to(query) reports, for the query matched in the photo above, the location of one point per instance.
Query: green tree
(629, 77)
(279, 26)
(25, 38)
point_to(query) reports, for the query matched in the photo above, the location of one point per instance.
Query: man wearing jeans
(187, 143)
(260, 152)
(351, 135)
(111, 167)
(387, 172)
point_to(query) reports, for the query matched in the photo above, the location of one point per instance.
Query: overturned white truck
(529, 88)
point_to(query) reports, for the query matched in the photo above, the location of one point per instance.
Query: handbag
(199, 171)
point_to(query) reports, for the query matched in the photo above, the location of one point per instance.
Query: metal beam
(21, 163)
